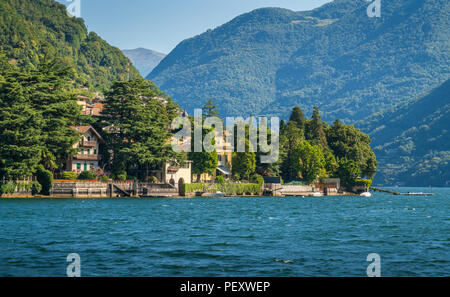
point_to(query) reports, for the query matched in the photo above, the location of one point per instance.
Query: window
(95, 151)
(85, 166)
(78, 166)
(89, 138)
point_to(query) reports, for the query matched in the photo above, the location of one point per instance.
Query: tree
(348, 172)
(210, 110)
(244, 163)
(291, 137)
(136, 127)
(204, 162)
(352, 144)
(331, 164)
(35, 117)
(298, 118)
(50, 96)
(316, 131)
(310, 161)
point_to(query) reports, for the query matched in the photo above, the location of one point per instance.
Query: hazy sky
(161, 24)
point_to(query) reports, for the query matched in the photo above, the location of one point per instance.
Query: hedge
(27, 187)
(69, 175)
(226, 188)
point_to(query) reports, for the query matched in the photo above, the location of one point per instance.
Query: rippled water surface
(329, 236)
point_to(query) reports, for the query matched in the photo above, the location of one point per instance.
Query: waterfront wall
(79, 189)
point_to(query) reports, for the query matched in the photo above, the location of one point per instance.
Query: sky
(161, 24)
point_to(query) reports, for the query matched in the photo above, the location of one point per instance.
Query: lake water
(328, 236)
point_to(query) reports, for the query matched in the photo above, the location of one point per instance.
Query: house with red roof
(88, 157)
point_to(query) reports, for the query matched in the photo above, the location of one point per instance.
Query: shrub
(45, 179)
(363, 182)
(122, 176)
(197, 187)
(7, 188)
(103, 178)
(220, 180)
(36, 188)
(69, 175)
(86, 175)
(258, 178)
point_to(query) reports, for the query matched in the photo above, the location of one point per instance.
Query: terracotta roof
(84, 129)
(81, 129)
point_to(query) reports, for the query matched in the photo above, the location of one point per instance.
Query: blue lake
(327, 236)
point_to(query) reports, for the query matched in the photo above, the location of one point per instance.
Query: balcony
(86, 157)
(85, 143)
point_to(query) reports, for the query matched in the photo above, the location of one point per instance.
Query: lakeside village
(68, 143)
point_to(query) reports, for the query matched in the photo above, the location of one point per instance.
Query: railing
(85, 143)
(87, 157)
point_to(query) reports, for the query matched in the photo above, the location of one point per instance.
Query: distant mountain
(144, 60)
(336, 57)
(33, 30)
(412, 141)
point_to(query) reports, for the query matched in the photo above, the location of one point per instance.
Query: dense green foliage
(136, 128)
(318, 151)
(36, 112)
(309, 161)
(227, 188)
(20, 187)
(204, 161)
(33, 30)
(269, 60)
(86, 175)
(412, 140)
(244, 163)
(45, 179)
(69, 175)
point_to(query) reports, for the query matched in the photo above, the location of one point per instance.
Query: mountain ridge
(266, 61)
(31, 31)
(145, 60)
(412, 140)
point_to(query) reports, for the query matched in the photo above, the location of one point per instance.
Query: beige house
(175, 175)
(88, 158)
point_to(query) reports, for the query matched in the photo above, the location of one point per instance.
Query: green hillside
(335, 57)
(412, 141)
(33, 30)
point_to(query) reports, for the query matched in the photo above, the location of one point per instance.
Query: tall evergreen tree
(316, 131)
(37, 110)
(298, 118)
(291, 137)
(136, 128)
(49, 90)
(209, 109)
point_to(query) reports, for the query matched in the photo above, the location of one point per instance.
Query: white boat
(366, 194)
(317, 194)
